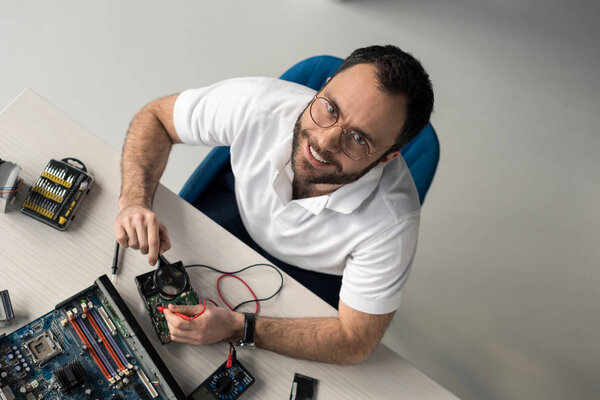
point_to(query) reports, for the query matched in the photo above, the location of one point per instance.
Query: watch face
(248, 338)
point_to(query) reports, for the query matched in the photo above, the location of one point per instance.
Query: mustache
(324, 154)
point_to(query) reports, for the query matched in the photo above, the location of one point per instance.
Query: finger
(121, 235)
(176, 323)
(182, 337)
(153, 241)
(165, 241)
(186, 309)
(142, 234)
(132, 237)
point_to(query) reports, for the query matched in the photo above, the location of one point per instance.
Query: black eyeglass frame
(344, 130)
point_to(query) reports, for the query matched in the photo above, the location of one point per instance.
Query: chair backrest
(421, 154)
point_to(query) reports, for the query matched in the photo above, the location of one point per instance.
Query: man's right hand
(138, 227)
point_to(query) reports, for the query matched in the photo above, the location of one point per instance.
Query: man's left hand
(215, 325)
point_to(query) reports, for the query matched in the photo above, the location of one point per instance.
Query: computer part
(89, 347)
(169, 284)
(6, 311)
(225, 383)
(304, 387)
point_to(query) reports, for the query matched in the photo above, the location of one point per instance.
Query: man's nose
(329, 139)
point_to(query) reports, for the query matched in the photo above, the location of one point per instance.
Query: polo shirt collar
(343, 200)
(351, 195)
(281, 153)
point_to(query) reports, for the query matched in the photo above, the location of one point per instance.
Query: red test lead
(187, 317)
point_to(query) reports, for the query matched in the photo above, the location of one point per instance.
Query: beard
(306, 173)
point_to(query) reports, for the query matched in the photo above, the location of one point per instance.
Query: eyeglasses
(353, 144)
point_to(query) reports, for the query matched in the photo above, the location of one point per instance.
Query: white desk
(41, 266)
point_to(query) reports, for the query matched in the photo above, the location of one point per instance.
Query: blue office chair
(421, 154)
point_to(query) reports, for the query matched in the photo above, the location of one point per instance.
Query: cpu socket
(43, 347)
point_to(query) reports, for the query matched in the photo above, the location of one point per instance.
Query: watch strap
(249, 327)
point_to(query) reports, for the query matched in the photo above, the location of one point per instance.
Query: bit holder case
(58, 192)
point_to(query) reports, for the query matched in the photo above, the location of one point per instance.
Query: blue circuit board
(68, 354)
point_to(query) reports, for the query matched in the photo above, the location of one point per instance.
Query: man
(318, 183)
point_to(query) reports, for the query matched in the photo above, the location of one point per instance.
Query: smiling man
(320, 189)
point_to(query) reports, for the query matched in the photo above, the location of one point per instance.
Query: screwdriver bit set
(58, 192)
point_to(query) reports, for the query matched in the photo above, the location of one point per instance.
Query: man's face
(362, 107)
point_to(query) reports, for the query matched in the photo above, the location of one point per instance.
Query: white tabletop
(41, 266)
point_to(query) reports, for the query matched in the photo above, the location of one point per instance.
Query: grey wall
(502, 303)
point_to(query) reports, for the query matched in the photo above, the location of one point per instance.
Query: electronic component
(147, 384)
(6, 394)
(43, 347)
(71, 375)
(169, 284)
(225, 383)
(71, 353)
(6, 311)
(171, 279)
(304, 388)
(57, 194)
(10, 183)
(141, 392)
(107, 321)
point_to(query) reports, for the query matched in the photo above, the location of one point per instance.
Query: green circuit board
(158, 319)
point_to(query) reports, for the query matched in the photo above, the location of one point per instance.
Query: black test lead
(115, 264)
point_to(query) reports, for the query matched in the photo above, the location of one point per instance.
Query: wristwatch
(247, 341)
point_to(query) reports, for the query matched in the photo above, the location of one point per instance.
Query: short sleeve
(377, 270)
(213, 115)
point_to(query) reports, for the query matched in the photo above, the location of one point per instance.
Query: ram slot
(101, 335)
(147, 383)
(89, 346)
(112, 341)
(112, 328)
(97, 348)
(115, 319)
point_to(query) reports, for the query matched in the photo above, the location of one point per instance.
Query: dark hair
(399, 72)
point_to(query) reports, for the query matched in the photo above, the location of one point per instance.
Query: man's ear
(389, 156)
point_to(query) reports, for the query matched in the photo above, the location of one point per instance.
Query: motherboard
(89, 347)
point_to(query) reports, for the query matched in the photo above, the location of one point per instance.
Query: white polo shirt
(365, 231)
